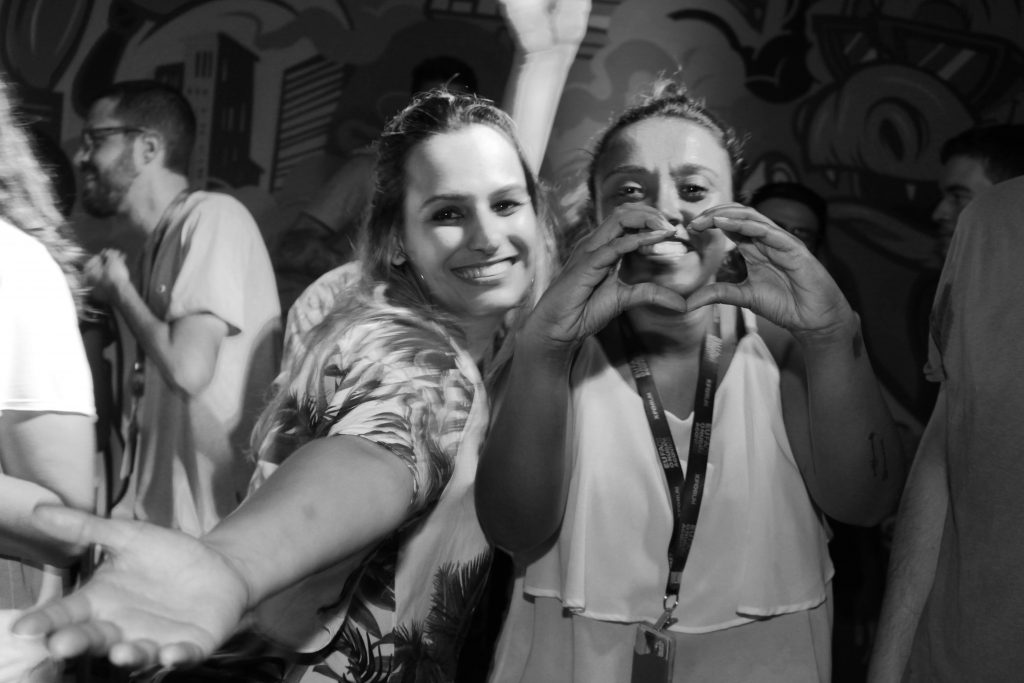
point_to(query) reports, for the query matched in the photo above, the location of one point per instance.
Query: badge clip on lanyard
(685, 492)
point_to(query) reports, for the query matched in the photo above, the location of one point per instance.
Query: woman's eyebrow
(689, 169)
(624, 169)
(460, 196)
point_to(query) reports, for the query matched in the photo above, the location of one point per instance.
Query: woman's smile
(486, 273)
(470, 228)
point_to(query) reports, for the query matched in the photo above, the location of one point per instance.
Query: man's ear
(152, 146)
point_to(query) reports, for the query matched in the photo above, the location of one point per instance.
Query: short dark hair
(157, 106)
(999, 148)
(797, 193)
(442, 69)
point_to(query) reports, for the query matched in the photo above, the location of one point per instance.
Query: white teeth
(483, 271)
(670, 248)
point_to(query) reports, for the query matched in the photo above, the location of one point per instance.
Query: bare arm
(523, 478)
(44, 458)
(842, 433)
(547, 36)
(344, 492)
(163, 596)
(184, 350)
(915, 550)
(843, 436)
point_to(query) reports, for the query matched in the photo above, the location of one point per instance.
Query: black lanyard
(686, 492)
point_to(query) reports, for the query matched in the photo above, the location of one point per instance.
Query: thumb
(717, 293)
(650, 294)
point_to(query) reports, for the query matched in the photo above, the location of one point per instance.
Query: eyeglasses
(92, 137)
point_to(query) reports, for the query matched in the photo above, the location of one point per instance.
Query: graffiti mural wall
(851, 97)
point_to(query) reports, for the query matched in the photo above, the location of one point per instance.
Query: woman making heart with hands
(642, 359)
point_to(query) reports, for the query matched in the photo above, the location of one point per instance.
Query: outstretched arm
(164, 597)
(547, 34)
(843, 436)
(915, 550)
(523, 477)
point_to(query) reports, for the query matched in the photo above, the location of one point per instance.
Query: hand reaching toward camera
(159, 597)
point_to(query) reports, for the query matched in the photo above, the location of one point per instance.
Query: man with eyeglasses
(197, 309)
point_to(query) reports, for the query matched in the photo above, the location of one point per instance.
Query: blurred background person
(197, 309)
(973, 161)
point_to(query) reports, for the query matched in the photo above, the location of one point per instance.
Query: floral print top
(400, 611)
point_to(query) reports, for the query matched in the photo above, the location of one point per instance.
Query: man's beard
(103, 198)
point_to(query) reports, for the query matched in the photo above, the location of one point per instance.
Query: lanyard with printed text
(686, 492)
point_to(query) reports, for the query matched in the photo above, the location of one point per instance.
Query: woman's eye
(631, 192)
(507, 206)
(449, 214)
(693, 193)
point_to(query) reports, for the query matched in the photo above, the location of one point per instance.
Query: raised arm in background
(547, 34)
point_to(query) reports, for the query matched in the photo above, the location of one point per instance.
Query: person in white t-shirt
(198, 310)
(47, 452)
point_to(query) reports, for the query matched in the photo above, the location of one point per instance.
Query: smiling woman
(470, 223)
(358, 550)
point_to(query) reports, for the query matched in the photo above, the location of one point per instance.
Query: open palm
(159, 597)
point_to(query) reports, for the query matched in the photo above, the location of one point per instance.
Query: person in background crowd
(972, 161)
(953, 603)
(47, 445)
(198, 310)
(795, 208)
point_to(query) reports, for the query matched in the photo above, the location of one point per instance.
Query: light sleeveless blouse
(760, 547)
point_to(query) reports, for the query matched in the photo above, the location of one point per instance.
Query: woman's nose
(485, 234)
(671, 206)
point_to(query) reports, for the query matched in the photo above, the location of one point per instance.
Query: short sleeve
(406, 390)
(314, 304)
(43, 366)
(218, 237)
